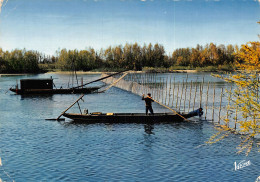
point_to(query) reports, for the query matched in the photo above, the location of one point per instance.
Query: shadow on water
(35, 97)
(148, 127)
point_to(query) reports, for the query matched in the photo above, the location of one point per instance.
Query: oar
(169, 109)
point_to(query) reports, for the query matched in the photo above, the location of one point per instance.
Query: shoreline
(15, 74)
(101, 72)
(92, 73)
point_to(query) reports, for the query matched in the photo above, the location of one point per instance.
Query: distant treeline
(19, 61)
(129, 57)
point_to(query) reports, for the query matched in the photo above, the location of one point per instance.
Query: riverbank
(12, 74)
(101, 72)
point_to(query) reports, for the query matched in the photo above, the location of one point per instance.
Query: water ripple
(33, 149)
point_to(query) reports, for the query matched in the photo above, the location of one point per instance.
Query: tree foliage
(246, 95)
(127, 57)
(19, 61)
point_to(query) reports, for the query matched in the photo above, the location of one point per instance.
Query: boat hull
(127, 118)
(55, 91)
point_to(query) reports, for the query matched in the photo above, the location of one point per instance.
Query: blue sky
(49, 25)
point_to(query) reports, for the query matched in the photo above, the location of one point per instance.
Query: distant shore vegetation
(150, 58)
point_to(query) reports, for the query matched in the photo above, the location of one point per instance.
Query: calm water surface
(33, 149)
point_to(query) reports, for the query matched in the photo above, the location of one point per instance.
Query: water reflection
(148, 128)
(37, 97)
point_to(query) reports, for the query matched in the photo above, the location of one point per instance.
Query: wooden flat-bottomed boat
(128, 117)
(45, 86)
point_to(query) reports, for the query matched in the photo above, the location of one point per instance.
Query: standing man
(148, 103)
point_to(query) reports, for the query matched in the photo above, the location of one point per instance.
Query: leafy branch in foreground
(245, 98)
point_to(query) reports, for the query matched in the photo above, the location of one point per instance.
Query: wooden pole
(142, 84)
(82, 81)
(220, 105)
(207, 101)
(151, 83)
(79, 108)
(185, 95)
(170, 90)
(236, 119)
(138, 86)
(173, 90)
(195, 95)
(177, 96)
(158, 90)
(229, 97)
(162, 88)
(170, 109)
(185, 92)
(213, 103)
(70, 106)
(190, 94)
(201, 95)
(202, 83)
(258, 89)
(166, 90)
(145, 88)
(155, 84)
(181, 94)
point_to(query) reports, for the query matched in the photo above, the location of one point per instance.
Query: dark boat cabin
(36, 84)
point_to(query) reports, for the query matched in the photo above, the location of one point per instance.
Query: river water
(35, 149)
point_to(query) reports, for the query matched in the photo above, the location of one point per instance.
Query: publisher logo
(242, 164)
